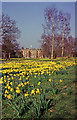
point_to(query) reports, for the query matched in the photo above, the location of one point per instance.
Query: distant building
(32, 53)
(74, 52)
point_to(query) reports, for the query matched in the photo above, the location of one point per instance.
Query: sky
(29, 17)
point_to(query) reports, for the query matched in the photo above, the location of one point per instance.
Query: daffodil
(5, 95)
(11, 89)
(18, 91)
(50, 80)
(39, 83)
(19, 85)
(4, 80)
(37, 91)
(11, 83)
(26, 94)
(35, 76)
(17, 88)
(33, 92)
(9, 96)
(60, 80)
(27, 82)
(6, 91)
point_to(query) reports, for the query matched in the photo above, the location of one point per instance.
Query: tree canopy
(56, 33)
(10, 33)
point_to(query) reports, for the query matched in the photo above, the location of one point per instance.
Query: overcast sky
(30, 17)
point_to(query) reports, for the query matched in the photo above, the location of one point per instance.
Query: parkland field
(38, 88)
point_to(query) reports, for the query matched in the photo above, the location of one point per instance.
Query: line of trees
(56, 38)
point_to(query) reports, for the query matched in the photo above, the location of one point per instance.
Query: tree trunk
(52, 42)
(63, 44)
(52, 47)
(9, 55)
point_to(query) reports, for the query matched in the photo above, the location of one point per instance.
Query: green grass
(38, 59)
(64, 105)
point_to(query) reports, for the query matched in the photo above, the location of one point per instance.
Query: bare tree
(46, 45)
(70, 45)
(64, 27)
(9, 35)
(0, 36)
(52, 19)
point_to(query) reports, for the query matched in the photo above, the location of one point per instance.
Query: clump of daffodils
(60, 80)
(39, 83)
(37, 91)
(33, 91)
(17, 90)
(26, 94)
(50, 80)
